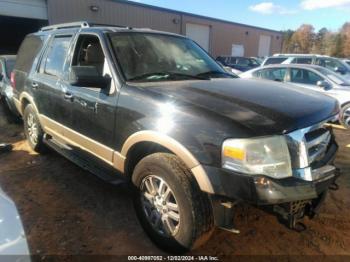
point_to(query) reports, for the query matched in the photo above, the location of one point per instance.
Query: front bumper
(262, 190)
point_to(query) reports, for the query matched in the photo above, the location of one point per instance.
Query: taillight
(13, 80)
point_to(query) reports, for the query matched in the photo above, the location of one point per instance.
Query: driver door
(93, 116)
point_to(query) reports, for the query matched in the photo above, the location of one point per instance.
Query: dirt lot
(67, 211)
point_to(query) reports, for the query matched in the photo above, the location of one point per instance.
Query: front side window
(274, 74)
(303, 76)
(56, 56)
(275, 60)
(158, 57)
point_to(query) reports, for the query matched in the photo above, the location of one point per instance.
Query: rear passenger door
(47, 90)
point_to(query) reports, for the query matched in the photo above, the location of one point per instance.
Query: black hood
(265, 107)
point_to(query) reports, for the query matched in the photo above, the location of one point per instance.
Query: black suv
(154, 109)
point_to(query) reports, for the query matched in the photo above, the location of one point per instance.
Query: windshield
(157, 57)
(10, 64)
(334, 77)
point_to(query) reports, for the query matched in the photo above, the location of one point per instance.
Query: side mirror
(88, 76)
(340, 70)
(325, 85)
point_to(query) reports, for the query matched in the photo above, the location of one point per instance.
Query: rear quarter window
(29, 49)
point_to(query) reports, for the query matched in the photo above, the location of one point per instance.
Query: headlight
(259, 156)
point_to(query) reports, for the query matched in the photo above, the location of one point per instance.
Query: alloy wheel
(32, 128)
(160, 205)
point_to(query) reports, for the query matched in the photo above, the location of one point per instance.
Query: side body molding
(115, 158)
(173, 146)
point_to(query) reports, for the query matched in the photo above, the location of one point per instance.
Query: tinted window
(303, 76)
(302, 60)
(1, 65)
(10, 64)
(56, 56)
(275, 74)
(243, 61)
(28, 51)
(275, 60)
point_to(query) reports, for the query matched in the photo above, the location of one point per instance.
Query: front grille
(317, 142)
(309, 145)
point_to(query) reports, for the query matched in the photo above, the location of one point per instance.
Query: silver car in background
(13, 243)
(311, 77)
(334, 64)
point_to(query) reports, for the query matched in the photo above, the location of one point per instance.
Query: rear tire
(178, 229)
(33, 130)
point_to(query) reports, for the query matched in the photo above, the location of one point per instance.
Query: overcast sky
(273, 14)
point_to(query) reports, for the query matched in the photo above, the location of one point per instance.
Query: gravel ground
(68, 211)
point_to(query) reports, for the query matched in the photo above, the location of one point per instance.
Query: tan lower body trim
(18, 105)
(202, 179)
(74, 138)
(116, 159)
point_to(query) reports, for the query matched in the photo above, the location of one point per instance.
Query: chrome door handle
(68, 96)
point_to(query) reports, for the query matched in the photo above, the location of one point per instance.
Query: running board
(67, 152)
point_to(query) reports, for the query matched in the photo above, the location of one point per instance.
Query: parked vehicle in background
(334, 64)
(12, 236)
(347, 61)
(7, 63)
(154, 109)
(312, 77)
(242, 64)
(258, 60)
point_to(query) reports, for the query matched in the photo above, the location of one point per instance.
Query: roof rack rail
(66, 25)
(296, 55)
(109, 25)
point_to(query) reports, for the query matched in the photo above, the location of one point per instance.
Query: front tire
(33, 130)
(171, 208)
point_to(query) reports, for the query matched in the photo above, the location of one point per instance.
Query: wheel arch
(144, 143)
(26, 99)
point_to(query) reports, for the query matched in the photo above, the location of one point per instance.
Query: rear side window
(56, 56)
(275, 60)
(28, 51)
(275, 74)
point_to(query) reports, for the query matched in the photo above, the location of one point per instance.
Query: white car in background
(311, 77)
(334, 64)
(347, 61)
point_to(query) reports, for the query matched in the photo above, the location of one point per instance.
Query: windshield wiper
(166, 75)
(215, 73)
